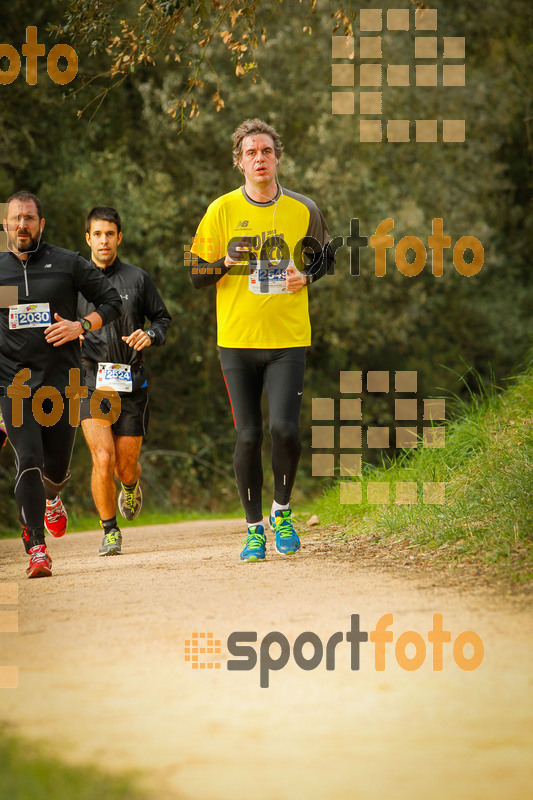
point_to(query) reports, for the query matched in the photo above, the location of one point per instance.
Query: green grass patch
(26, 774)
(487, 468)
(89, 522)
(149, 516)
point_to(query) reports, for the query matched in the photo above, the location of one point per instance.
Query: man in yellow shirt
(263, 245)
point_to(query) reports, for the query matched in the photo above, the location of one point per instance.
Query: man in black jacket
(115, 358)
(40, 366)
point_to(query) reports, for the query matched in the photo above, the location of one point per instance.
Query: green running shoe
(254, 545)
(111, 543)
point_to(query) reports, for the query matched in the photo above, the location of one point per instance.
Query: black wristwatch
(151, 334)
(85, 324)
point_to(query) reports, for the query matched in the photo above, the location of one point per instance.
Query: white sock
(251, 524)
(278, 507)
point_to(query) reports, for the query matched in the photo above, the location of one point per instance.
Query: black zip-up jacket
(55, 276)
(140, 301)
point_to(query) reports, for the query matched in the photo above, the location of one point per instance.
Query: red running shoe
(40, 562)
(55, 518)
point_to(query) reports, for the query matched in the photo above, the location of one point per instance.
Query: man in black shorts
(40, 366)
(115, 358)
(263, 318)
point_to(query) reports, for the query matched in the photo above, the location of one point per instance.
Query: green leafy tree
(129, 155)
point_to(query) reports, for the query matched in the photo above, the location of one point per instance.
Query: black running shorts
(133, 419)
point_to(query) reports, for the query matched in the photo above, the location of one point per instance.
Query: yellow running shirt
(246, 317)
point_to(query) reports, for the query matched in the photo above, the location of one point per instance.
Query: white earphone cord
(274, 199)
(26, 252)
(270, 199)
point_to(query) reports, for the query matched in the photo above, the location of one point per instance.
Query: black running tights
(43, 459)
(281, 373)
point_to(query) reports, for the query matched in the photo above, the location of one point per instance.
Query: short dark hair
(103, 212)
(252, 127)
(26, 197)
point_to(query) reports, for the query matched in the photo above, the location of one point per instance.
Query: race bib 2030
(32, 315)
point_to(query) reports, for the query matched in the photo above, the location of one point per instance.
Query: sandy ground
(103, 677)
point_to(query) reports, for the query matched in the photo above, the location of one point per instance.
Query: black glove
(245, 253)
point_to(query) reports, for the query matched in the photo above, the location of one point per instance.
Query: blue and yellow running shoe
(287, 540)
(254, 546)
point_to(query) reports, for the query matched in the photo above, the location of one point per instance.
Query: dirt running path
(102, 675)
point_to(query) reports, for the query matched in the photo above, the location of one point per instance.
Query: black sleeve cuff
(206, 274)
(110, 311)
(319, 265)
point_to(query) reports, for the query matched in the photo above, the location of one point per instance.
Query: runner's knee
(53, 487)
(126, 472)
(103, 460)
(249, 439)
(285, 433)
(26, 460)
